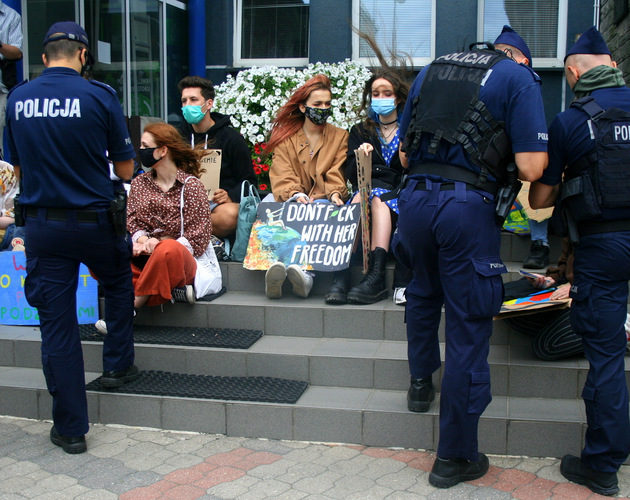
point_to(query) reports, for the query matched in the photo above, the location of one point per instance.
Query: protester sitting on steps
(164, 252)
(384, 95)
(206, 129)
(308, 156)
(553, 337)
(11, 236)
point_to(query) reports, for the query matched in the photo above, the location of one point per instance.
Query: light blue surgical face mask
(383, 106)
(193, 113)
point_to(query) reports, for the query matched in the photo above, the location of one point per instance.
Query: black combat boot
(338, 292)
(420, 394)
(372, 287)
(538, 256)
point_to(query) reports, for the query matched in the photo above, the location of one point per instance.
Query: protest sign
(15, 309)
(317, 236)
(211, 161)
(364, 176)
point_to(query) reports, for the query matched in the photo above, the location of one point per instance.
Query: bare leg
(381, 224)
(139, 301)
(224, 218)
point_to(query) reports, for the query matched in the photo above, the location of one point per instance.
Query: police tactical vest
(600, 179)
(448, 108)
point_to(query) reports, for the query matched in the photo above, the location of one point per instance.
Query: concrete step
(238, 279)
(515, 248)
(293, 316)
(538, 427)
(352, 363)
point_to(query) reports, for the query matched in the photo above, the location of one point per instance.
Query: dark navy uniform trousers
(598, 314)
(53, 255)
(448, 236)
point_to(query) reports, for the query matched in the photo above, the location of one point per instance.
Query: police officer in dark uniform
(468, 115)
(62, 131)
(589, 173)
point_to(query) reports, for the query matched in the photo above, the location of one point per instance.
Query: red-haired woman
(163, 263)
(308, 159)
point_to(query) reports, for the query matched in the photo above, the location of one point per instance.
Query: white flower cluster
(253, 98)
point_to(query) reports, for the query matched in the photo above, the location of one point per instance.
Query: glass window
(541, 23)
(404, 27)
(273, 29)
(176, 59)
(104, 24)
(144, 39)
(41, 14)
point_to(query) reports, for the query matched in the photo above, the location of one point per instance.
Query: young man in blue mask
(209, 130)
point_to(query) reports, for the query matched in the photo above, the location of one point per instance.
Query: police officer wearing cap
(589, 173)
(468, 116)
(62, 131)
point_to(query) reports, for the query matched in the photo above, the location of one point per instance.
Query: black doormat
(188, 336)
(159, 383)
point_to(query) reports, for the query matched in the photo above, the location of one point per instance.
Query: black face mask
(317, 115)
(146, 157)
(89, 62)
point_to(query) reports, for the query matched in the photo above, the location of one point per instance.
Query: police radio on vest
(48, 108)
(622, 132)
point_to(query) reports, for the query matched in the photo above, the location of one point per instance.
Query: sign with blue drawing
(317, 236)
(15, 309)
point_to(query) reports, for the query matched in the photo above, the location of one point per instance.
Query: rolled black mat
(182, 335)
(159, 383)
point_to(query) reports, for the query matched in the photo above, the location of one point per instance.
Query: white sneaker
(185, 294)
(101, 326)
(274, 278)
(301, 280)
(399, 296)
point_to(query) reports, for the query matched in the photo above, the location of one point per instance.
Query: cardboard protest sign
(364, 176)
(538, 215)
(15, 309)
(317, 236)
(211, 161)
(532, 303)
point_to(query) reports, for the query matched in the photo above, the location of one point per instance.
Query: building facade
(615, 26)
(143, 47)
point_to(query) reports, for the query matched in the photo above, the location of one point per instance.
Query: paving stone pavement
(131, 463)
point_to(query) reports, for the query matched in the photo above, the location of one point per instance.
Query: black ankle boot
(372, 287)
(420, 394)
(338, 292)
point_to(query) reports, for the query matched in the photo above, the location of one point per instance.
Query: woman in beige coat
(308, 159)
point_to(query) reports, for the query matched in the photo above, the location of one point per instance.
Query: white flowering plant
(255, 95)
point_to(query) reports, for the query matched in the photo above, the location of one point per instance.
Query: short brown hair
(206, 86)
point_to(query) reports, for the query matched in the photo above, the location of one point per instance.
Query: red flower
(257, 170)
(256, 149)
(265, 168)
(263, 187)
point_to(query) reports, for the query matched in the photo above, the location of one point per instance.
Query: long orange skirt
(169, 266)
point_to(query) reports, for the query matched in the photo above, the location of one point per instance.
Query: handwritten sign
(15, 309)
(317, 236)
(211, 161)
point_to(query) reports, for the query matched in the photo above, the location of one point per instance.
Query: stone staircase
(353, 357)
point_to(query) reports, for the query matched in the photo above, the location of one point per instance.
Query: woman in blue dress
(384, 95)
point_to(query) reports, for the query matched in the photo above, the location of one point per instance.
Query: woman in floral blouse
(163, 261)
